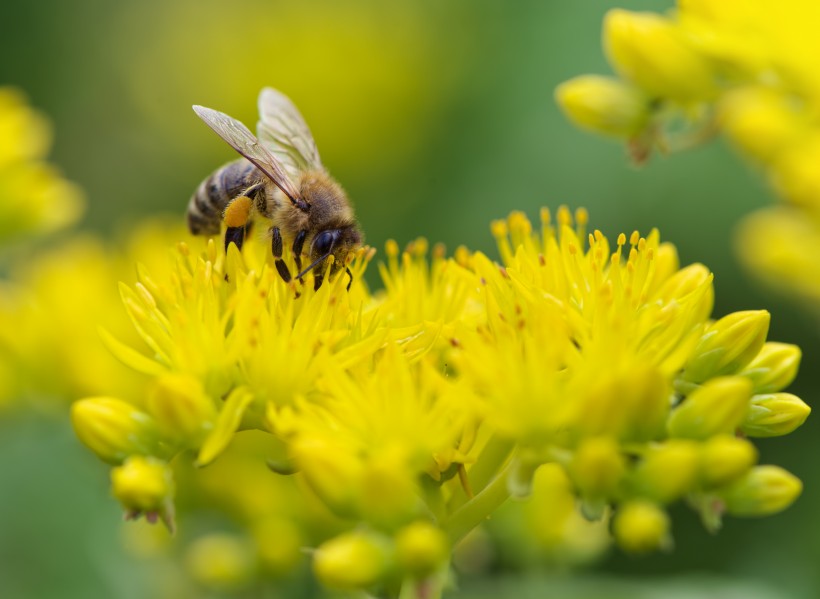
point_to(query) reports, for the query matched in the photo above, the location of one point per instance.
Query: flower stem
(428, 588)
(479, 508)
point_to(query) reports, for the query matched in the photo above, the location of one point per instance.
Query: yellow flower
(744, 70)
(34, 198)
(411, 414)
(63, 353)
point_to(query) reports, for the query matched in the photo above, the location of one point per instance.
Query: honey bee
(281, 178)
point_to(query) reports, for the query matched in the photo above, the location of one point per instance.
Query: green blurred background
(437, 117)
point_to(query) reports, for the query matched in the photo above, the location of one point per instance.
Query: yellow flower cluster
(60, 356)
(411, 414)
(744, 69)
(34, 199)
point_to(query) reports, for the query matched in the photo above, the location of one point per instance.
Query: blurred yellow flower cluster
(746, 70)
(34, 198)
(411, 414)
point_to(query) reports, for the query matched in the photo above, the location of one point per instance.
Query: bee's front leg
(298, 244)
(276, 248)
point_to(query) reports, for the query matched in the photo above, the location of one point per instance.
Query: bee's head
(337, 242)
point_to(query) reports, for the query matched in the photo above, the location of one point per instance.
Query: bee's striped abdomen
(208, 202)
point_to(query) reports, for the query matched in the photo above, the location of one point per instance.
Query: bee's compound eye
(324, 242)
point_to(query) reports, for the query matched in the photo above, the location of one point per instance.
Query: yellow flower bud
(113, 429)
(142, 484)
(728, 345)
(603, 105)
(763, 491)
(641, 527)
(552, 505)
(760, 121)
(774, 368)
(353, 561)
(629, 406)
(668, 471)
(651, 52)
(219, 561)
(725, 458)
(597, 467)
(181, 408)
(278, 545)
(719, 406)
(774, 415)
(421, 548)
(387, 492)
(332, 474)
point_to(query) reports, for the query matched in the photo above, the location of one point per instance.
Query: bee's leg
(298, 244)
(317, 281)
(276, 248)
(237, 216)
(235, 235)
(350, 282)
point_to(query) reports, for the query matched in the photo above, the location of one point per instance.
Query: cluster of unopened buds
(744, 70)
(413, 413)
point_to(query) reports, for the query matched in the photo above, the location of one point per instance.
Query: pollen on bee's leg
(238, 212)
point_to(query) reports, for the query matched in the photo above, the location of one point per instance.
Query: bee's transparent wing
(243, 141)
(283, 130)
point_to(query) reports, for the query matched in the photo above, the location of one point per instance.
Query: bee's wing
(283, 130)
(243, 141)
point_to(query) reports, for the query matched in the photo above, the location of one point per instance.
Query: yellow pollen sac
(621, 240)
(238, 212)
(633, 239)
(439, 251)
(546, 217)
(498, 228)
(391, 248)
(564, 216)
(581, 216)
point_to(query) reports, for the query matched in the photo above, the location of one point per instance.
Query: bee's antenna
(315, 262)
